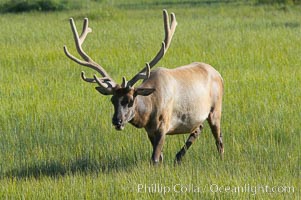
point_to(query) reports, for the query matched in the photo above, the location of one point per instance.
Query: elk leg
(157, 141)
(192, 137)
(214, 120)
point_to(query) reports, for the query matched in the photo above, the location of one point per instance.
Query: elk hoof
(157, 161)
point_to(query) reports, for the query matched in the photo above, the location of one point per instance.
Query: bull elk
(167, 102)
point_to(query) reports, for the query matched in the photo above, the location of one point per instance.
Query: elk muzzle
(118, 123)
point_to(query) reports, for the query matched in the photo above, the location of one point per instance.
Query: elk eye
(131, 103)
(124, 102)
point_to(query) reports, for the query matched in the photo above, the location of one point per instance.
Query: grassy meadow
(56, 137)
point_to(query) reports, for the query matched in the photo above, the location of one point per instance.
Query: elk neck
(143, 110)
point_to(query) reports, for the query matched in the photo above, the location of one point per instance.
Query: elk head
(124, 94)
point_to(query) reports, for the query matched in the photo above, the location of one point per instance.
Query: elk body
(168, 102)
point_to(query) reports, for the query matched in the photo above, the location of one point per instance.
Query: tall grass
(56, 138)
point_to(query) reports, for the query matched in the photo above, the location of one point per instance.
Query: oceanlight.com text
(213, 188)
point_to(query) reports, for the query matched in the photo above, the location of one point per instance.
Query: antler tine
(79, 40)
(107, 81)
(89, 80)
(78, 43)
(85, 31)
(169, 32)
(124, 83)
(105, 84)
(144, 74)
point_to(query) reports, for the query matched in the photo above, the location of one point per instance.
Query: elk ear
(144, 91)
(104, 91)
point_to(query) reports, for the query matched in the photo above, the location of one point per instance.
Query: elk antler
(107, 83)
(169, 31)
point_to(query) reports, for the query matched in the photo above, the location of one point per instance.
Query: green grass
(56, 137)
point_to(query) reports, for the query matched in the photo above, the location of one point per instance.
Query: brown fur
(184, 98)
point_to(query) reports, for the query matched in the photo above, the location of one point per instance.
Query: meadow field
(56, 137)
